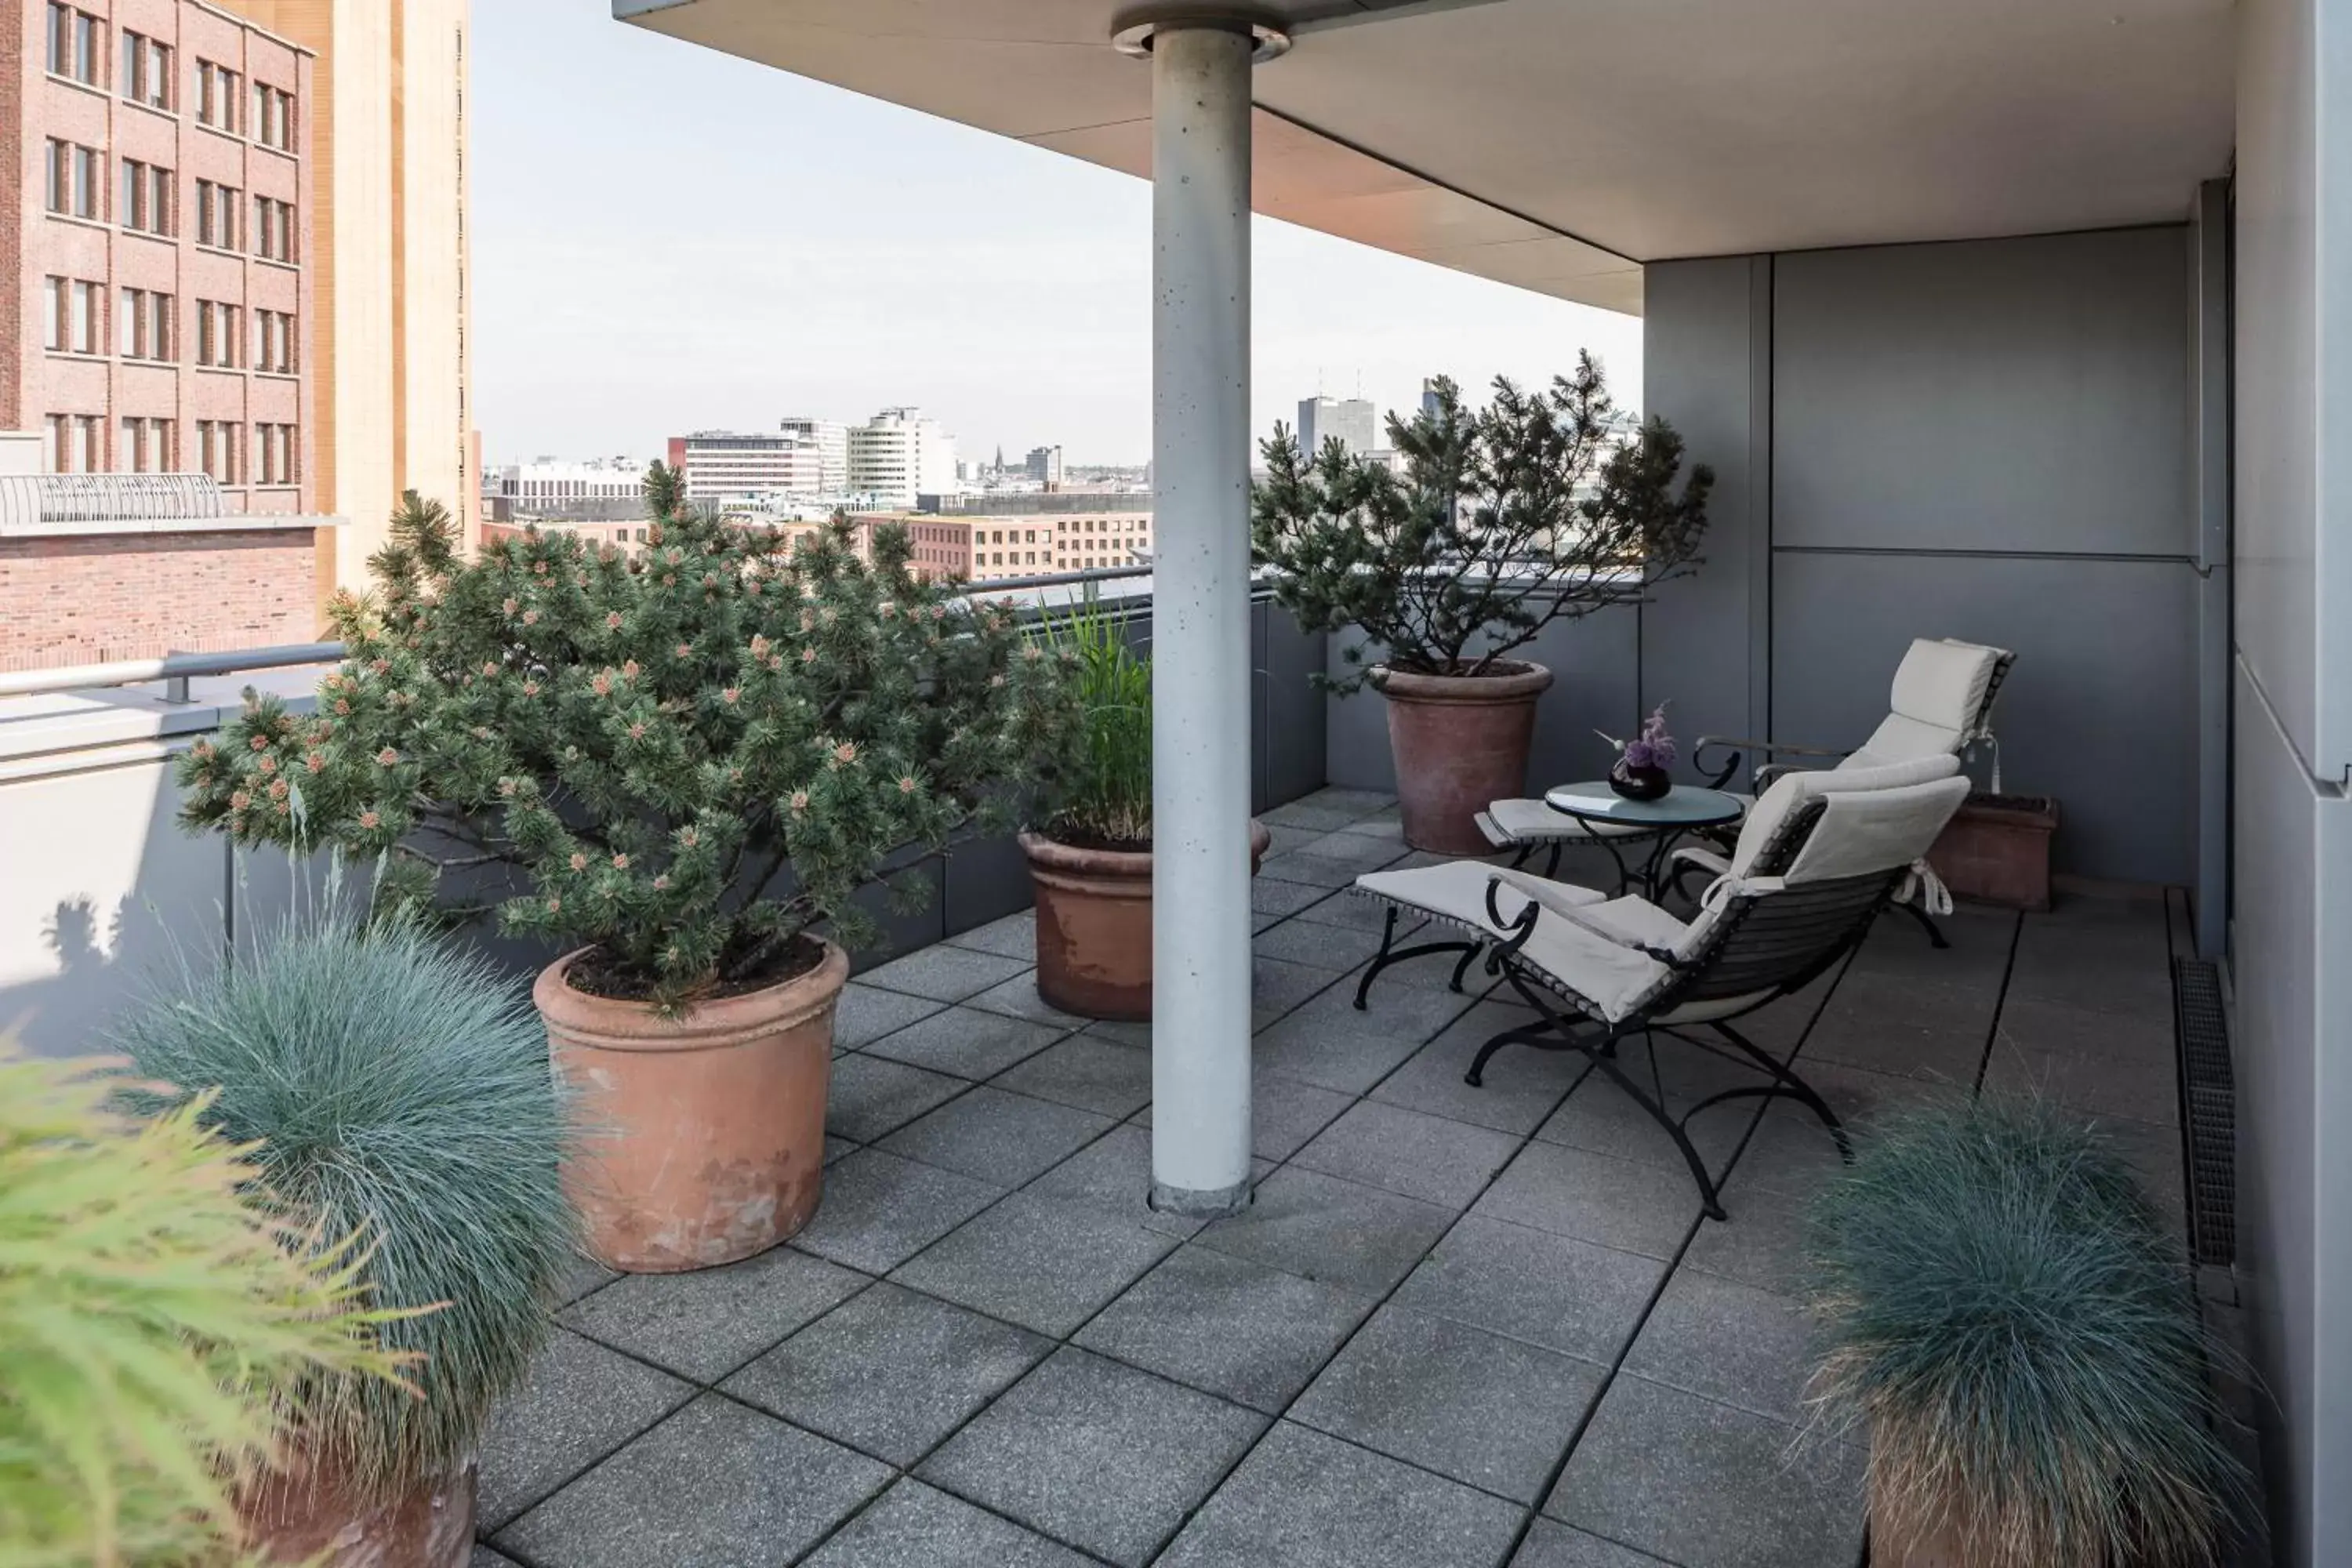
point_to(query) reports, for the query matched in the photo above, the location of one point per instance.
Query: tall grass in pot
(2001, 1311)
(393, 1086)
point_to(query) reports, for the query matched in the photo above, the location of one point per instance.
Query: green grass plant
(1103, 792)
(156, 1320)
(397, 1087)
(2004, 1312)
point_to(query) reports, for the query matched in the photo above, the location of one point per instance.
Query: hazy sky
(668, 238)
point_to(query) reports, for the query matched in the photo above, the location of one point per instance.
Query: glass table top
(1684, 806)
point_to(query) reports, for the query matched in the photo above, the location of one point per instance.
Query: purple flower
(1642, 754)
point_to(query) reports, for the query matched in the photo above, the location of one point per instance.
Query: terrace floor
(1458, 1326)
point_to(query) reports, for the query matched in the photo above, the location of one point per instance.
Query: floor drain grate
(2209, 1099)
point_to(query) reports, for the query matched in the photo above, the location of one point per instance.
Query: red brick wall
(138, 595)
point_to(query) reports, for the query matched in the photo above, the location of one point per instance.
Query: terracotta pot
(313, 1516)
(703, 1136)
(1094, 924)
(1460, 743)
(1996, 850)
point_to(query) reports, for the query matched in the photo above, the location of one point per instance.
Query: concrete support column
(1201, 635)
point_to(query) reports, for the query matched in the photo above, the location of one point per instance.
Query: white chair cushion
(1943, 683)
(1456, 891)
(1863, 831)
(1612, 979)
(1790, 790)
(1635, 920)
(1509, 824)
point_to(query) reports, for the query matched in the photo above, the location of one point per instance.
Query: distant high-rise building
(724, 465)
(1429, 398)
(830, 438)
(1352, 420)
(391, 339)
(899, 455)
(549, 489)
(1044, 464)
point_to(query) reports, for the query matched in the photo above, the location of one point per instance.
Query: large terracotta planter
(312, 1516)
(703, 1137)
(1460, 743)
(1996, 850)
(1094, 924)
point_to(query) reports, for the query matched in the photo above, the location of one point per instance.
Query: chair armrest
(1761, 748)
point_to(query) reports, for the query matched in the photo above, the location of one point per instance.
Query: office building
(391, 346)
(899, 455)
(1350, 419)
(830, 439)
(1044, 466)
(159, 253)
(723, 467)
(547, 489)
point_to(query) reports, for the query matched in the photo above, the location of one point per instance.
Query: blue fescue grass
(2003, 1311)
(399, 1088)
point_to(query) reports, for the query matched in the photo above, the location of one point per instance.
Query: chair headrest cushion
(1944, 683)
(1865, 831)
(1769, 814)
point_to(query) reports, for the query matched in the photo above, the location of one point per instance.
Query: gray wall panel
(2099, 712)
(2023, 395)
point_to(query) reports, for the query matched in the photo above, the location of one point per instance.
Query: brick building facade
(90, 598)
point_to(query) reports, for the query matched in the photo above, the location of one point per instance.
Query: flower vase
(1635, 782)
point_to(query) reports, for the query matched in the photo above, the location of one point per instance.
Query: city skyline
(786, 281)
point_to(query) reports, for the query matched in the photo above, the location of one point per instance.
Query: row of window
(77, 47)
(272, 455)
(146, 328)
(74, 184)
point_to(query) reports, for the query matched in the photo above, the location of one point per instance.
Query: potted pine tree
(686, 767)
(391, 1087)
(2003, 1317)
(1090, 853)
(1540, 507)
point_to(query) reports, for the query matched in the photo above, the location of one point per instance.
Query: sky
(667, 239)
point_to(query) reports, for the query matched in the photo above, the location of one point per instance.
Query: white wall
(2293, 740)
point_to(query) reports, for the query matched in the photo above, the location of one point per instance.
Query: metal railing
(29, 500)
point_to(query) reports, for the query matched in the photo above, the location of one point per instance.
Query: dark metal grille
(2209, 1094)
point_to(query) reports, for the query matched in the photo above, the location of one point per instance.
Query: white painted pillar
(1201, 609)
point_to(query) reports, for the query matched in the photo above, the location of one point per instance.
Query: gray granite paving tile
(1089, 1071)
(1018, 998)
(1279, 899)
(1357, 1237)
(1282, 840)
(997, 1136)
(1903, 1025)
(1357, 802)
(1709, 1486)
(578, 1403)
(834, 1148)
(1601, 1117)
(1113, 1175)
(1013, 936)
(584, 1275)
(1401, 1151)
(966, 1042)
(1522, 1085)
(1098, 1454)
(716, 1485)
(1343, 907)
(1791, 1152)
(1276, 986)
(2089, 1085)
(944, 973)
(1334, 948)
(1762, 1244)
(1491, 1411)
(867, 1013)
(1315, 870)
(1227, 1326)
(1570, 1191)
(1386, 825)
(1729, 1342)
(1574, 1296)
(1284, 1113)
(2132, 1040)
(1330, 1045)
(871, 1096)
(483, 1557)
(1305, 1501)
(706, 1323)
(880, 1210)
(1356, 852)
(1552, 1545)
(1039, 1262)
(1315, 816)
(890, 1372)
(913, 1526)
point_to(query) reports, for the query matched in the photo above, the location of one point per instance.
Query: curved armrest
(1761, 748)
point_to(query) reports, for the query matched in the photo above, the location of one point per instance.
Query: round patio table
(1665, 819)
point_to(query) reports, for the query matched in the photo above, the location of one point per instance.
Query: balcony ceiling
(1556, 144)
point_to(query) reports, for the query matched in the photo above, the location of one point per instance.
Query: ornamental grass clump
(159, 1316)
(641, 742)
(391, 1087)
(1542, 506)
(1102, 795)
(2002, 1311)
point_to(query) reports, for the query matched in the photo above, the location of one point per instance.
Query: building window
(273, 455)
(146, 70)
(145, 202)
(74, 43)
(72, 176)
(216, 335)
(82, 327)
(273, 228)
(273, 117)
(144, 324)
(273, 341)
(216, 97)
(216, 450)
(216, 207)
